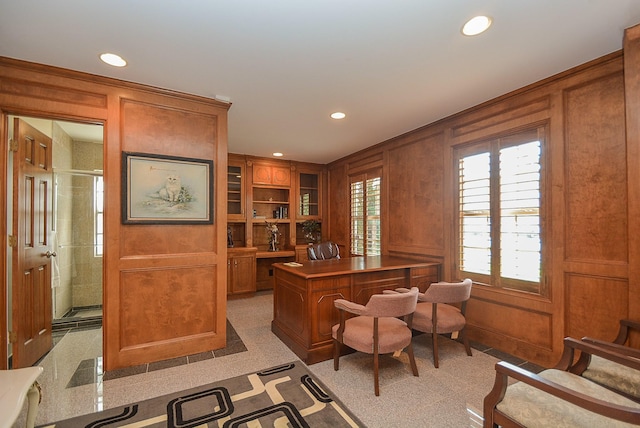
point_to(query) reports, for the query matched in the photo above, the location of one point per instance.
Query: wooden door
(32, 197)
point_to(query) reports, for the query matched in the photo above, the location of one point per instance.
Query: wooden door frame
(4, 231)
(4, 313)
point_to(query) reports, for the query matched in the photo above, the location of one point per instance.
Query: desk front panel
(290, 307)
(366, 284)
(323, 313)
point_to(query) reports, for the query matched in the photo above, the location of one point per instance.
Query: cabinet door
(229, 276)
(272, 175)
(261, 174)
(235, 191)
(280, 176)
(309, 195)
(244, 274)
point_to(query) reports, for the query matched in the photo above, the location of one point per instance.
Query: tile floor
(73, 381)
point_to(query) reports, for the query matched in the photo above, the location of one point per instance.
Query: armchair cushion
(393, 334)
(449, 318)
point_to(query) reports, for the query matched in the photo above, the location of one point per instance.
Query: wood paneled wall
(586, 229)
(632, 110)
(164, 285)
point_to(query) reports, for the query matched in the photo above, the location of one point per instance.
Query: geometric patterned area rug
(283, 396)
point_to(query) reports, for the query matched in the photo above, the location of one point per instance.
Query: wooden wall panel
(157, 126)
(508, 321)
(595, 171)
(338, 218)
(170, 271)
(585, 224)
(48, 92)
(167, 130)
(416, 196)
(595, 305)
(164, 305)
(632, 106)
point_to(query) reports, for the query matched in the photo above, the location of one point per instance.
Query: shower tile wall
(62, 160)
(87, 278)
(79, 283)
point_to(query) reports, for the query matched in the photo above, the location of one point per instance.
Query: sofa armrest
(614, 347)
(586, 350)
(530, 382)
(623, 332)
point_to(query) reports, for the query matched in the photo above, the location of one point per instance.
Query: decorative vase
(273, 245)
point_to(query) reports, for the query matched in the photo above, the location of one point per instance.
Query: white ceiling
(390, 65)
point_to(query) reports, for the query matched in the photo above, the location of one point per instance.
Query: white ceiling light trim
(476, 25)
(338, 115)
(113, 59)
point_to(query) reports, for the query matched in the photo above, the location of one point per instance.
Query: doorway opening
(77, 231)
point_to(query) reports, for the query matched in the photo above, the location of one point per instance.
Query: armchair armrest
(350, 307)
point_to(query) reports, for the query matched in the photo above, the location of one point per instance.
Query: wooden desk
(303, 310)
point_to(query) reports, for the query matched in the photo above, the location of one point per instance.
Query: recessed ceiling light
(113, 59)
(338, 115)
(476, 25)
(278, 154)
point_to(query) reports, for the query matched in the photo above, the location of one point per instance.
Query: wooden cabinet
(308, 192)
(301, 253)
(271, 174)
(235, 189)
(241, 270)
(263, 190)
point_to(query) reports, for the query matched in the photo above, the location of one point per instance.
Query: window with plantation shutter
(499, 211)
(365, 214)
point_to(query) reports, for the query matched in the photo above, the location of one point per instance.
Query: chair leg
(336, 354)
(412, 360)
(466, 342)
(34, 396)
(434, 339)
(376, 383)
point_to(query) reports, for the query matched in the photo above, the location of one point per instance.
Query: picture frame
(160, 189)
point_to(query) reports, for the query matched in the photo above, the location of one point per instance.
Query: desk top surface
(350, 265)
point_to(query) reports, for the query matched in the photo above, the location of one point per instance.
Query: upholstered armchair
(376, 328)
(323, 251)
(557, 397)
(436, 312)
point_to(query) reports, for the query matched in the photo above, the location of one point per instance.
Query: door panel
(31, 282)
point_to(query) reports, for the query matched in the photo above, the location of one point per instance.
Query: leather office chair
(435, 314)
(376, 328)
(323, 251)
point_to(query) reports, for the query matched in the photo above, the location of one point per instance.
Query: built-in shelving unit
(234, 190)
(261, 191)
(308, 194)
